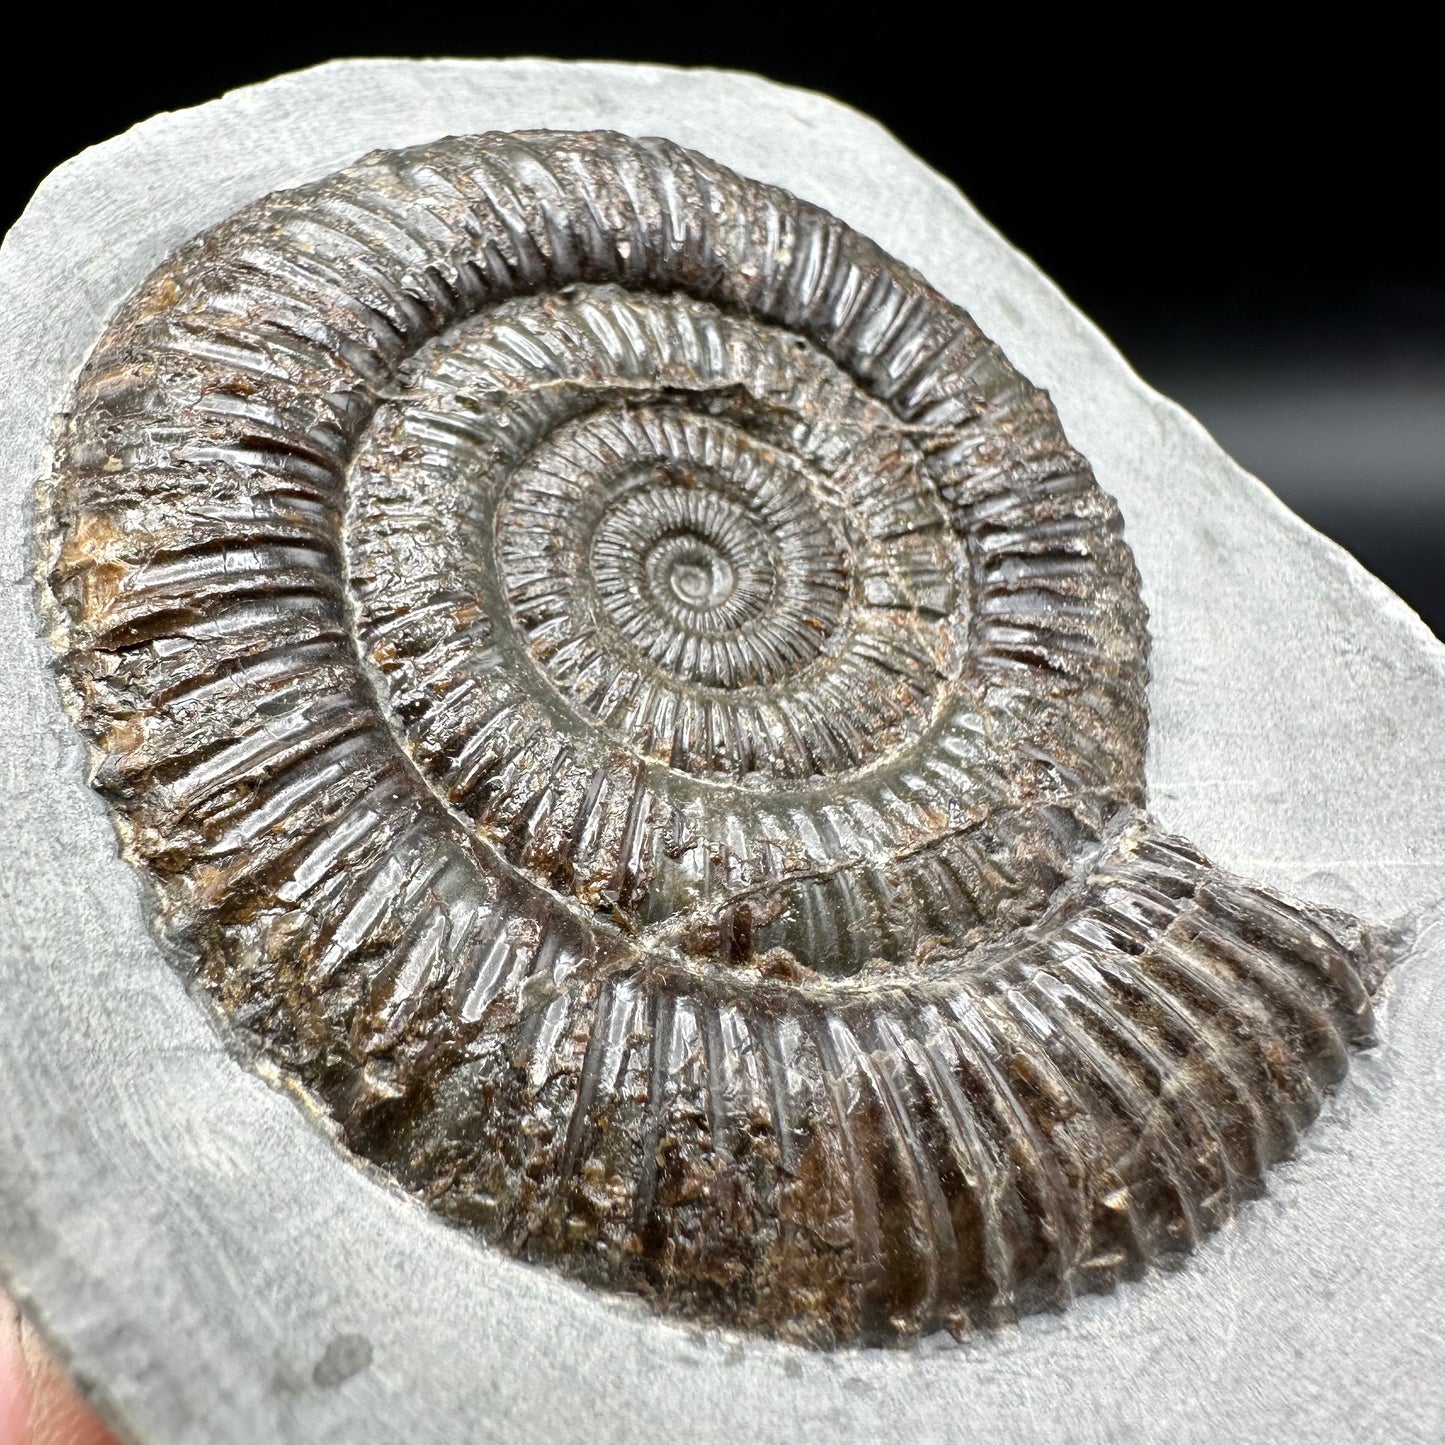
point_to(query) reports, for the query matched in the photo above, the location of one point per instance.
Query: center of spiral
(686, 574)
(693, 570)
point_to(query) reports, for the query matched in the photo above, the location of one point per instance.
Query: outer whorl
(629, 699)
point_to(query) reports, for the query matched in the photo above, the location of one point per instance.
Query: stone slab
(211, 1269)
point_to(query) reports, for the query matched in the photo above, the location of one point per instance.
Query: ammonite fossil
(630, 701)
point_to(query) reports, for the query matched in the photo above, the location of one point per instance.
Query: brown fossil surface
(628, 698)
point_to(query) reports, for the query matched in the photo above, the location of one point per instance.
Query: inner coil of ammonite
(631, 702)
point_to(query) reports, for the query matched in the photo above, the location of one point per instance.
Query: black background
(1251, 216)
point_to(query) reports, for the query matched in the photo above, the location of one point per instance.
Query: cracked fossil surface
(629, 700)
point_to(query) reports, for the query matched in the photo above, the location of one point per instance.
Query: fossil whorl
(628, 698)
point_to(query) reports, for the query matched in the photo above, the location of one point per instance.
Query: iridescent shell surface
(629, 700)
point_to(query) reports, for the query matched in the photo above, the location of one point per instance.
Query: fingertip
(14, 1380)
(38, 1405)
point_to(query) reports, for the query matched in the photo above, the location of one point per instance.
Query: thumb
(38, 1406)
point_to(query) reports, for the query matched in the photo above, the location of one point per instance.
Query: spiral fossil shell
(629, 699)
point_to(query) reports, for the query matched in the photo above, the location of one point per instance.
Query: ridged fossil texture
(629, 699)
